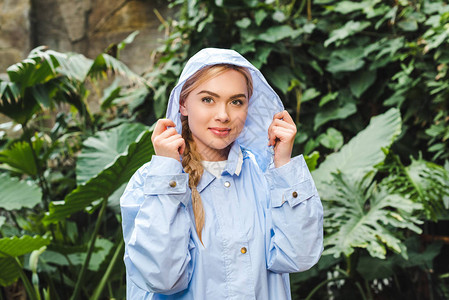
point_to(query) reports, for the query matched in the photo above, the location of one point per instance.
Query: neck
(215, 154)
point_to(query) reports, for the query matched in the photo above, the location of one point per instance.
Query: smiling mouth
(221, 132)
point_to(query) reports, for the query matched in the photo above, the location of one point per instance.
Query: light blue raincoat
(261, 222)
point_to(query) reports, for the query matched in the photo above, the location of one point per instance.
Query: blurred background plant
(366, 82)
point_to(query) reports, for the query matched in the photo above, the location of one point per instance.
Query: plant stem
(105, 279)
(309, 10)
(79, 281)
(39, 171)
(28, 286)
(309, 296)
(368, 290)
(362, 293)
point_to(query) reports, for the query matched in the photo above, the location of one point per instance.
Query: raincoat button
(172, 184)
(227, 184)
(243, 250)
(295, 194)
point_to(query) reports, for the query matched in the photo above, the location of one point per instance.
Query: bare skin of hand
(166, 140)
(281, 135)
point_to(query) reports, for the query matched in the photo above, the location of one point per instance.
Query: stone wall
(84, 26)
(14, 31)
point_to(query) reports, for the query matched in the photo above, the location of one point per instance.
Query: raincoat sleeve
(157, 227)
(294, 218)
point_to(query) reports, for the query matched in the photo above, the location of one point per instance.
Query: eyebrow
(218, 96)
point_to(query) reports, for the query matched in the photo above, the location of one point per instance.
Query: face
(217, 111)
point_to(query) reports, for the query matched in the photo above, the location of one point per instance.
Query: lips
(219, 131)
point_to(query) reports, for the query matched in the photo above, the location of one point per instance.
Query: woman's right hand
(166, 140)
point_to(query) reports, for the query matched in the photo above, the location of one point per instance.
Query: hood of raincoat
(264, 102)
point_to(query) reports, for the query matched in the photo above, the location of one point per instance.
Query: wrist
(280, 162)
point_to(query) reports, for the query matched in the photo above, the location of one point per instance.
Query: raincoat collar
(233, 166)
(264, 102)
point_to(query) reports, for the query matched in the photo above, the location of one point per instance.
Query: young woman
(221, 211)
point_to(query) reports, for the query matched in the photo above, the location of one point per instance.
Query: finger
(278, 115)
(162, 125)
(284, 123)
(283, 134)
(182, 147)
(287, 118)
(178, 144)
(167, 133)
(284, 115)
(172, 138)
(271, 135)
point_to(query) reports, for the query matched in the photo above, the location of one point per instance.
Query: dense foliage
(366, 82)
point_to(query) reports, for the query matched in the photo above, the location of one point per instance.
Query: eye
(207, 100)
(237, 102)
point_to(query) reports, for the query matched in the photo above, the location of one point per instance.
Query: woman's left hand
(281, 135)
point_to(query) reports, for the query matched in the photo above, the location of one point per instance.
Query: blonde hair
(191, 158)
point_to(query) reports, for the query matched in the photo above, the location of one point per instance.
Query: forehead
(230, 80)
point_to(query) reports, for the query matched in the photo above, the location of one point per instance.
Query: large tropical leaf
(102, 148)
(29, 196)
(13, 247)
(19, 157)
(13, 105)
(422, 181)
(46, 75)
(9, 271)
(18, 246)
(39, 67)
(51, 258)
(364, 214)
(360, 154)
(105, 62)
(106, 182)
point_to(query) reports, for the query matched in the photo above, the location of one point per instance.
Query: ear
(183, 109)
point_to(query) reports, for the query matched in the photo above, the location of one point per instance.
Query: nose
(222, 114)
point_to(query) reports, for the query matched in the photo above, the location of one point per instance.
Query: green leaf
(19, 157)
(259, 16)
(13, 105)
(261, 56)
(328, 98)
(349, 29)
(309, 94)
(106, 182)
(30, 194)
(422, 181)
(102, 249)
(332, 139)
(279, 16)
(345, 7)
(128, 40)
(105, 62)
(363, 215)
(281, 78)
(408, 25)
(340, 112)
(243, 23)
(100, 150)
(363, 152)
(347, 59)
(312, 160)
(361, 81)
(18, 246)
(277, 33)
(9, 273)
(76, 67)
(110, 93)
